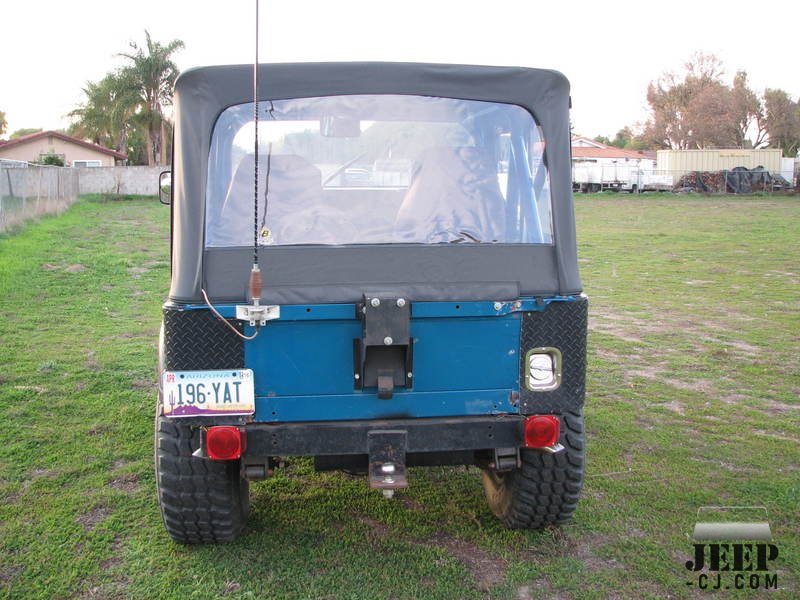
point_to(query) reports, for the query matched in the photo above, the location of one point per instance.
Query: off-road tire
(545, 490)
(202, 501)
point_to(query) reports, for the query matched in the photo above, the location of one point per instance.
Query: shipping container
(679, 162)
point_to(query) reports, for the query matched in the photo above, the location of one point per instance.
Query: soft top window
(378, 169)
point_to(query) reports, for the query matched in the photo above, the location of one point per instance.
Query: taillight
(542, 431)
(224, 443)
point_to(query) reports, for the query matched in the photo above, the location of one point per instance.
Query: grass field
(693, 386)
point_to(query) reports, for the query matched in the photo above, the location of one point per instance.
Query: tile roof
(62, 136)
(611, 152)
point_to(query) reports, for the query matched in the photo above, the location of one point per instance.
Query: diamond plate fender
(196, 340)
(561, 325)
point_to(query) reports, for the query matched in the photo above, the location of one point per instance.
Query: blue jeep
(421, 304)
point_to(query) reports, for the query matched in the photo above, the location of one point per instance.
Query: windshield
(378, 169)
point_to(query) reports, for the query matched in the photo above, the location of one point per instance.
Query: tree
(24, 131)
(748, 113)
(677, 105)
(152, 75)
(51, 159)
(698, 110)
(3, 122)
(782, 121)
(108, 116)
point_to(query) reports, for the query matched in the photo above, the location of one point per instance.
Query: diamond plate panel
(561, 325)
(196, 340)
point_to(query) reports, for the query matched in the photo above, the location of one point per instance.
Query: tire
(545, 490)
(202, 501)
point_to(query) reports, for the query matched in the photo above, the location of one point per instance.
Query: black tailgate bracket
(382, 357)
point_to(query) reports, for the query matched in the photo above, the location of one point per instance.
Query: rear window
(378, 169)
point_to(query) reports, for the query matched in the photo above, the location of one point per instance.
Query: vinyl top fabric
(324, 274)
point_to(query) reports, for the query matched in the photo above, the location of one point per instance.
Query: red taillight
(224, 443)
(542, 431)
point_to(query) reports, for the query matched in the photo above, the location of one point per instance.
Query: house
(73, 151)
(585, 150)
(596, 166)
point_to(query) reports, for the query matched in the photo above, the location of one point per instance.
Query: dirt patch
(585, 550)
(31, 388)
(645, 371)
(91, 519)
(486, 569)
(744, 347)
(625, 327)
(127, 482)
(49, 267)
(699, 385)
(114, 590)
(541, 588)
(91, 362)
(75, 268)
(674, 406)
(137, 270)
(11, 498)
(99, 429)
(144, 384)
(230, 587)
(377, 530)
(695, 282)
(114, 560)
(779, 408)
(410, 503)
(132, 336)
(734, 399)
(774, 435)
(611, 329)
(7, 573)
(41, 473)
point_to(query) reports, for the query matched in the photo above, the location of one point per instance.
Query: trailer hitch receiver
(387, 460)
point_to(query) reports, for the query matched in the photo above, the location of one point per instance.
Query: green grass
(692, 400)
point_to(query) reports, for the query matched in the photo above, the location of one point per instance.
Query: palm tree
(152, 75)
(108, 116)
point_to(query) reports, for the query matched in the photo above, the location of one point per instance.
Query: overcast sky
(609, 50)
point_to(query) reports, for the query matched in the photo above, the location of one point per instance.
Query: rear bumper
(451, 434)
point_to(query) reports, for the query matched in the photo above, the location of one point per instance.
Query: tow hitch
(387, 460)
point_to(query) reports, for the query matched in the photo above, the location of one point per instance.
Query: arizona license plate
(208, 393)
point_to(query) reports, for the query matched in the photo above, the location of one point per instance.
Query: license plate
(208, 393)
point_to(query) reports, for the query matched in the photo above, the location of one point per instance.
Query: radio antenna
(255, 273)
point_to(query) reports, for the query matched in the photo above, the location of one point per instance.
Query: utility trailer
(618, 177)
(421, 304)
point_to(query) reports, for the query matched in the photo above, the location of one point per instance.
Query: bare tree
(782, 121)
(698, 110)
(747, 113)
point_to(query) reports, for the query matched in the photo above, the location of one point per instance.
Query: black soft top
(325, 274)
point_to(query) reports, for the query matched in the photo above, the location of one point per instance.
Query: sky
(610, 50)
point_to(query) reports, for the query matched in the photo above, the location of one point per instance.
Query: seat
(454, 196)
(296, 213)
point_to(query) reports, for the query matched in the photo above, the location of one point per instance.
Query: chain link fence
(628, 178)
(28, 191)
